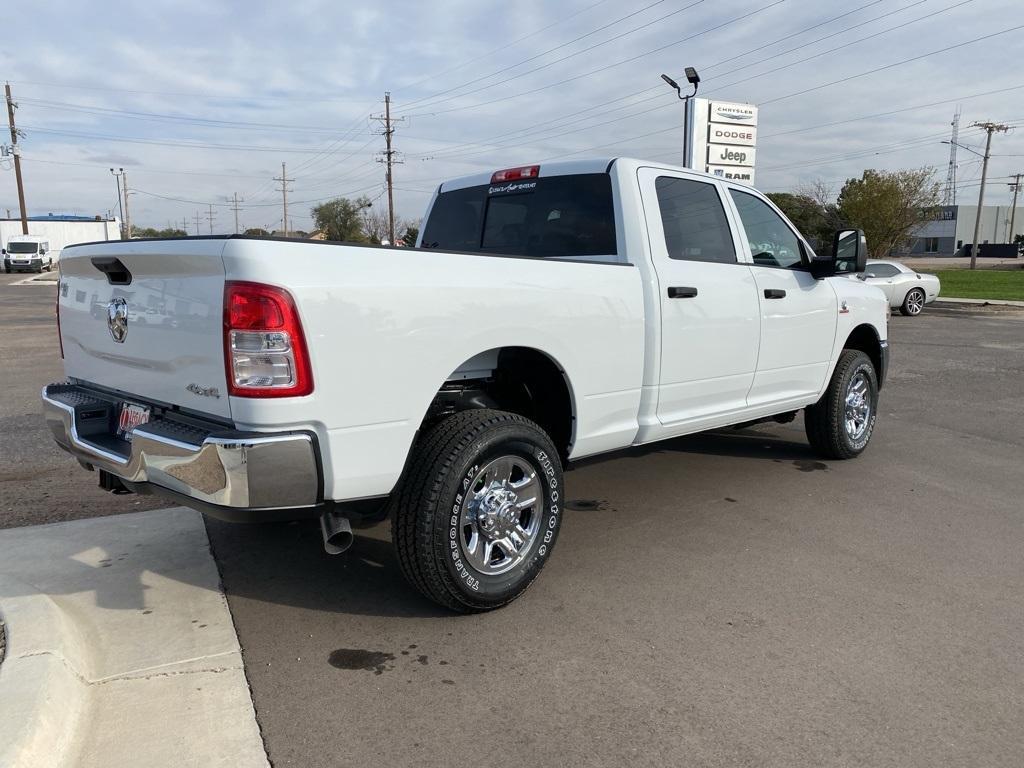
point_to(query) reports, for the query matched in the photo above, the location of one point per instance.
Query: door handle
(774, 293)
(681, 292)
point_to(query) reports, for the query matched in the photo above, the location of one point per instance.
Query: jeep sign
(728, 154)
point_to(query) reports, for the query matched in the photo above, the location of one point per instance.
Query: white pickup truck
(548, 313)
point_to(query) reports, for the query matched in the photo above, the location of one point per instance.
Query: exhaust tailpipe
(337, 532)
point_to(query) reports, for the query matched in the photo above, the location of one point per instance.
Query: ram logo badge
(117, 319)
(195, 389)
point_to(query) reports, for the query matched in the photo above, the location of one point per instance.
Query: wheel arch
(520, 379)
(865, 338)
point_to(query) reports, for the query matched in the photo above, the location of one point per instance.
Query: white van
(29, 253)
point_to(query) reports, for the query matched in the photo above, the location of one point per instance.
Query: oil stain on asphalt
(354, 658)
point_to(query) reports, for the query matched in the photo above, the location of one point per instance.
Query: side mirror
(850, 249)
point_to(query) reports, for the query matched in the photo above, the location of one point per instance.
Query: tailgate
(155, 333)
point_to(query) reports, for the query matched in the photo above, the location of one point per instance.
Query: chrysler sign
(727, 112)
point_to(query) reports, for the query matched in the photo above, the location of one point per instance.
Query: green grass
(982, 284)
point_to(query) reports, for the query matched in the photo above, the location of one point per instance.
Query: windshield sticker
(512, 186)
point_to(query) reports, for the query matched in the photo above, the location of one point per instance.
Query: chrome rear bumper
(211, 465)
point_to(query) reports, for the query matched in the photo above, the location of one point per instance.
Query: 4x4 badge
(117, 319)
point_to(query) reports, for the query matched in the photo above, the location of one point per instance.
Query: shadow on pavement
(286, 563)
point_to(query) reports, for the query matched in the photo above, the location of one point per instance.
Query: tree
(151, 232)
(410, 234)
(342, 219)
(888, 205)
(256, 232)
(813, 218)
(375, 225)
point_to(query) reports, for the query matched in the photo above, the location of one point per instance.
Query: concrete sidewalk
(121, 650)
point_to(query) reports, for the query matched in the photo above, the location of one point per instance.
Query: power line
(284, 195)
(891, 66)
(433, 100)
(501, 48)
(606, 67)
(603, 106)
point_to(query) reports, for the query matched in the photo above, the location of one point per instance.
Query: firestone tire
(840, 424)
(450, 484)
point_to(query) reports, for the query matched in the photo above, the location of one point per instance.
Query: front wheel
(478, 511)
(913, 303)
(49, 266)
(840, 424)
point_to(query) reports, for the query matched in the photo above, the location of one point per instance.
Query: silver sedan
(905, 288)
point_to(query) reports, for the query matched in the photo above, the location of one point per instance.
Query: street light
(693, 79)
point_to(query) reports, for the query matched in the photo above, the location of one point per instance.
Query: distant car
(905, 288)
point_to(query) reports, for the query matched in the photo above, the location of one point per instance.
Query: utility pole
(184, 225)
(11, 106)
(949, 196)
(284, 193)
(120, 204)
(389, 159)
(127, 215)
(1013, 208)
(197, 223)
(236, 200)
(989, 128)
(210, 216)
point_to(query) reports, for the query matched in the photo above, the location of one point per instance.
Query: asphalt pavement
(720, 600)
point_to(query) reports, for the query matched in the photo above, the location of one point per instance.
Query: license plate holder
(130, 417)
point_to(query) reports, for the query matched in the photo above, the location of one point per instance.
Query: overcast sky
(199, 100)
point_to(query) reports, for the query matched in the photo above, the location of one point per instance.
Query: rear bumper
(229, 474)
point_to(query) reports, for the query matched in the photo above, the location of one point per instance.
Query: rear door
(146, 319)
(798, 312)
(710, 323)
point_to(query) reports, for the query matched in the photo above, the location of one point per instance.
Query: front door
(798, 312)
(710, 320)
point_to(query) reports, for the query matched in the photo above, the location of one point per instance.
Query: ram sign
(721, 139)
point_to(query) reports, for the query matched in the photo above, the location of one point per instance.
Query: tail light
(60, 340)
(264, 347)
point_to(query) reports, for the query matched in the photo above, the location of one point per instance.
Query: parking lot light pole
(693, 79)
(120, 206)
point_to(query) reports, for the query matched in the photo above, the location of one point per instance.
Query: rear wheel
(479, 509)
(840, 424)
(913, 303)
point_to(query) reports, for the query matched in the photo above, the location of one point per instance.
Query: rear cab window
(570, 216)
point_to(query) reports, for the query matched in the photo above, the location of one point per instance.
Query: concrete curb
(991, 302)
(44, 675)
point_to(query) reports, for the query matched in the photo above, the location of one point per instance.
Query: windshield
(22, 247)
(546, 217)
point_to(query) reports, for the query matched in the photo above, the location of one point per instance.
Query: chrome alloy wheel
(915, 301)
(857, 413)
(501, 515)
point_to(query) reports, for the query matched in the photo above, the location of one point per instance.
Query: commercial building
(62, 230)
(948, 228)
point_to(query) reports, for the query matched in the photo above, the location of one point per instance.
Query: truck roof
(561, 168)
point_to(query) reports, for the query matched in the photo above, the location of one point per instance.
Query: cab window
(772, 242)
(694, 222)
